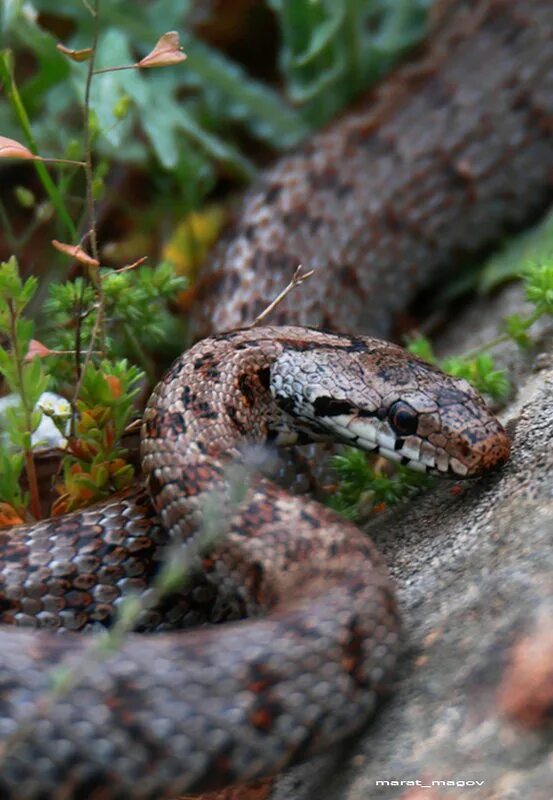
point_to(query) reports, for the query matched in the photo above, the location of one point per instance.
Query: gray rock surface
(474, 571)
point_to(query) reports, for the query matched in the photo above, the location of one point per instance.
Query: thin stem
(6, 75)
(60, 161)
(98, 329)
(103, 70)
(502, 337)
(11, 238)
(64, 353)
(78, 337)
(140, 354)
(91, 208)
(28, 451)
(30, 469)
(89, 352)
(489, 345)
(134, 265)
(297, 279)
(17, 242)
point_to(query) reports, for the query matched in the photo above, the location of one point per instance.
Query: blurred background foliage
(168, 148)
(259, 76)
(327, 53)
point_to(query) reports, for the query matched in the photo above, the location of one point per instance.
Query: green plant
(137, 115)
(363, 487)
(103, 398)
(26, 379)
(510, 262)
(95, 465)
(477, 365)
(135, 309)
(331, 51)
(102, 316)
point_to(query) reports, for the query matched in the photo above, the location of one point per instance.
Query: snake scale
(452, 152)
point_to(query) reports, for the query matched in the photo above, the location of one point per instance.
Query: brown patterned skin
(172, 713)
(450, 154)
(454, 151)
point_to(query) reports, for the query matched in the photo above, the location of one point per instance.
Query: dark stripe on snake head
(331, 407)
(246, 389)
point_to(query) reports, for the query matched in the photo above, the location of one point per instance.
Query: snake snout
(476, 442)
(462, 438)
(472, 453)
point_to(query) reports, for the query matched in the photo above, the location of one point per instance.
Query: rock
(474, 571)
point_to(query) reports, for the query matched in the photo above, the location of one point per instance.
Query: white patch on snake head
(315, 390)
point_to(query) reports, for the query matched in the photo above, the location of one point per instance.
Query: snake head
(381, 398)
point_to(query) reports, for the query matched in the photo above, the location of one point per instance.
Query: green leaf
(239, 97)
(84, 481)
(422, 348)
(331, 51)
(10, 282)
(520, 252)
(539, 285)
(21, 119)
(361, 487)
(109, 88)
(35, 382)
(184, 122)
(24, 330)
(36, 419)
(516, 327)
(6, 366)
(101, 476)
(11, 470)
(28, 291)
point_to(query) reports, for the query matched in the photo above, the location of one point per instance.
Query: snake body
(382, 200)
(171, 713)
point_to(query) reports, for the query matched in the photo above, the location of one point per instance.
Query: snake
(380, 203)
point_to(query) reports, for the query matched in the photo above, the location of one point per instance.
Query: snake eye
(402, 418)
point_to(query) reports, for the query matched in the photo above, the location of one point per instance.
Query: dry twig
(297, 279)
